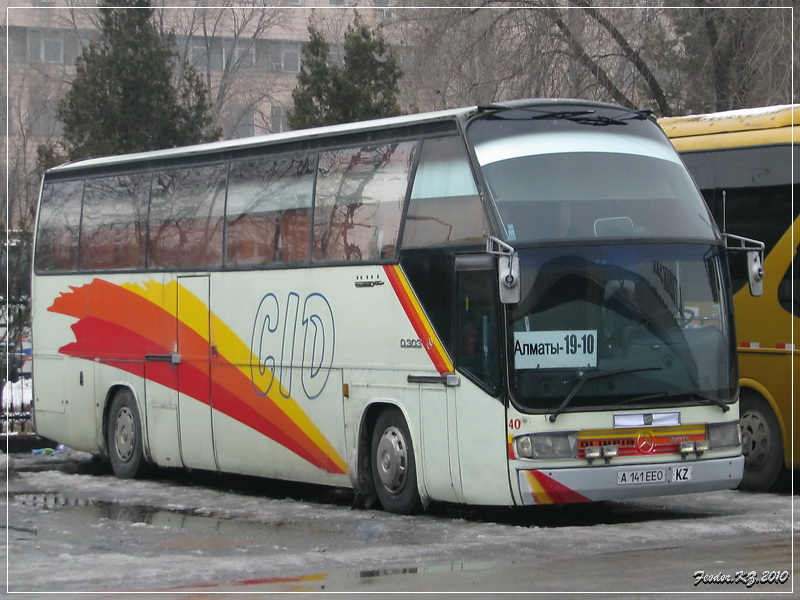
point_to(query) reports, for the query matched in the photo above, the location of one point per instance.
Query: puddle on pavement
(349, 581)
(103, 509)
(205, 529)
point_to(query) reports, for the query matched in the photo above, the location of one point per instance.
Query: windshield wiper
(556, 114)
(582, 117)
(594, 375)
(596, 120)
(695, 394)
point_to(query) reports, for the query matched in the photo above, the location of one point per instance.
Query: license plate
(645, 476)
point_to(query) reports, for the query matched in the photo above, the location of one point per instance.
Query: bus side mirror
(507, 269)
(755, 271)
(508, 274)
(755, 259)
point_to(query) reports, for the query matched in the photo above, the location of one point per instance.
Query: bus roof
(747, 119)
(307, 134)
(734, 128)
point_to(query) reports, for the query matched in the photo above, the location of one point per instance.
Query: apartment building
(247, 50)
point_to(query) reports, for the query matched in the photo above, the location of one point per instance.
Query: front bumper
(613, 482)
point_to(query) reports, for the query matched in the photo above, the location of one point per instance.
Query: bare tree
(673, 59)
(735, 56)
(228, 45)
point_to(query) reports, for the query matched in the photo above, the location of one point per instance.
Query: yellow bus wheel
(761, 443)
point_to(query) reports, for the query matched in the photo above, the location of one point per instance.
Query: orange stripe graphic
(120, 325)
(416, 315)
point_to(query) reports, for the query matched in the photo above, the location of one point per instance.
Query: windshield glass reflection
(640, 320)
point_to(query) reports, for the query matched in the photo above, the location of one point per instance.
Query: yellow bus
(519, 303)
(742, 160)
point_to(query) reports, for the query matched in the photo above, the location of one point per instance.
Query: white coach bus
(519, 303)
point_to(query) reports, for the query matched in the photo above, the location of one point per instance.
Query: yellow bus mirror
(755, 271)
(755, 259)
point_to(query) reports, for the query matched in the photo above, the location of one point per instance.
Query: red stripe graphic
(552, 492)
(119, 328)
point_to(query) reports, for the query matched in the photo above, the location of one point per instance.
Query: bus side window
(478, 349)
(114, 222)
(359, 201)
(788, 289)
(445, 207)
(186, 212)
(268, 211)
(59, 224)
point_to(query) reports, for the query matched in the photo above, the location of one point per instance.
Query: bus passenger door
(480, 416)
(194, 382)
(161, 398)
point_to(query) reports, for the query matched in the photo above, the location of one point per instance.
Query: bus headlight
(547, 445)
(724, 435)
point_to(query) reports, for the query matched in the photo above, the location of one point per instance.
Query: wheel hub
(392, 458)
(755, 439)
(124, 434)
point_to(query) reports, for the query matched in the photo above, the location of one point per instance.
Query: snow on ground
(175, 531)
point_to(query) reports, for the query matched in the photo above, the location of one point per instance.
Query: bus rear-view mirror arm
(755, 259)
(507, 269)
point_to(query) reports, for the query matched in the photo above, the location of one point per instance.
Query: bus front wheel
(394, 469)
(761, 443)
(124, 431)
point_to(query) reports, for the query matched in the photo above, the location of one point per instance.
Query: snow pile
(17, 396)
(16, 407)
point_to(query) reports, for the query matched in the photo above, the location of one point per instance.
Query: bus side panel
(65, 410)
(288, 454)
(439, 444)
(770, 375)
(194, 348)
(764, 331)
(161, 416)
(276, 391)
(482, 453)
(64, 406)
(429, 410)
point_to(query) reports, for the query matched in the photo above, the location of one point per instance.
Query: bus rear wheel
(762, 445)
(394, 468)
(124, 436)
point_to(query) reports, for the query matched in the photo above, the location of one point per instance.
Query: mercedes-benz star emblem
(645, 442)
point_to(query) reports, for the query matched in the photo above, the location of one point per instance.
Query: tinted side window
(59, 224)
(186, 213)
(755, 184)
(421, 270)
(445, 207)
(749, 192)
(114, 223)
(359, 201)
(789, 289)
(269, 211)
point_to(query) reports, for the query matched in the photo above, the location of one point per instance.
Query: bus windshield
(600, 173)
(639, 324)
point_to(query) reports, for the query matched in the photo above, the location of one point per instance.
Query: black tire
(124, 436)
(394, 469)
(762, 444)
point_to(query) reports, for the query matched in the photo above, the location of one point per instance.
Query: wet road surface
(72, 527)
